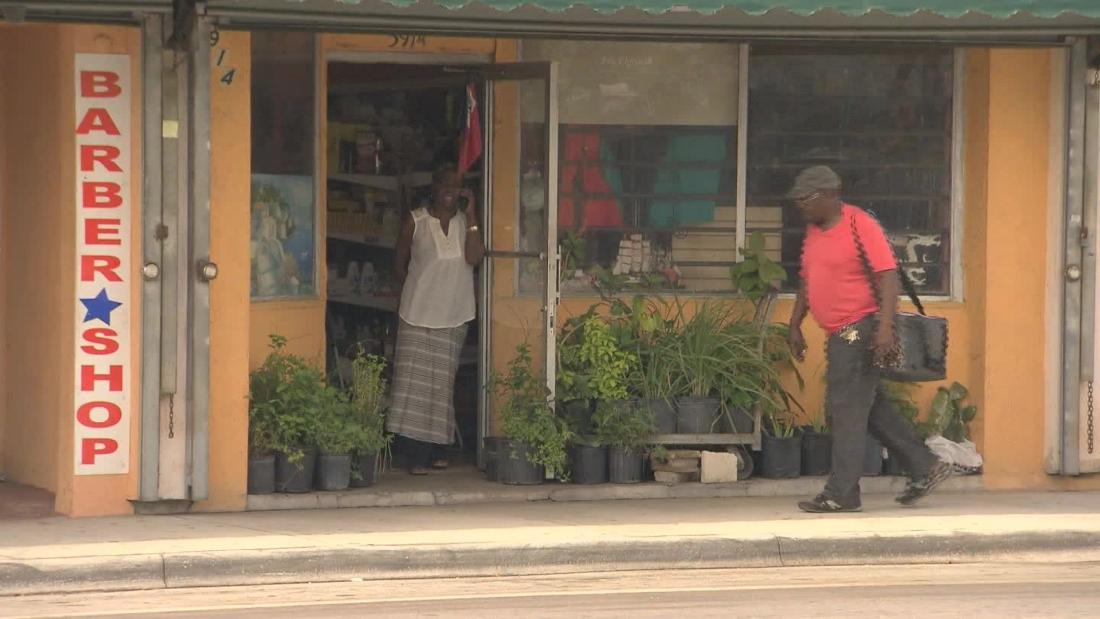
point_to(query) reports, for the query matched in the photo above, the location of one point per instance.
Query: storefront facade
(967, 141)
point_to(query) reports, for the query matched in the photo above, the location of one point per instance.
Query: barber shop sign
(103, 372)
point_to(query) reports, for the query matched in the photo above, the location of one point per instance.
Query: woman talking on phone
(437, 250)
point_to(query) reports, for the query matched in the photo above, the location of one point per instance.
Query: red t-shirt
(836, 281)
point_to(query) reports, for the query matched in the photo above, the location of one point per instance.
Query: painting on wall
(284, 245)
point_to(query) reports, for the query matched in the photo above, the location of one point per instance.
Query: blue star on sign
(100, 307)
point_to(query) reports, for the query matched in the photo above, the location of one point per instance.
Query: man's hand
(797, 342)
(884, 346)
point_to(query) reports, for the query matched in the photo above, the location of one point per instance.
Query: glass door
(519, 279)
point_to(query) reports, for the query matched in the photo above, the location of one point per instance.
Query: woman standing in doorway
(436, 253)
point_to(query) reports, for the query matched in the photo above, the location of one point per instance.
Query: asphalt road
(971, 591)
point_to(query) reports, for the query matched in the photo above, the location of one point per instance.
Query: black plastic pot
(624, 466)
(872, 461)
(514, 468)
(736, 421)
(295, 477)
(664, 415)
(782, 457)
(261, 474)
(589, 464)
(696, 415)
(893, 466)
(333, 472)
(365, 467)
(817, 453)
(492, 457)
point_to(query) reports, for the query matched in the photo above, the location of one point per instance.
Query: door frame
(514, 71)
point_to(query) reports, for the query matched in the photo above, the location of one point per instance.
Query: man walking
(841, 241)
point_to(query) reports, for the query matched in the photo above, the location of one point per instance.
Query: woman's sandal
(418, 470)
(441, 463)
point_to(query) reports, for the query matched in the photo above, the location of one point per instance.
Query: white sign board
(103, 374)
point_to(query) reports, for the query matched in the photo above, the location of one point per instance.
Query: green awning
(851, 8)
(676, 18)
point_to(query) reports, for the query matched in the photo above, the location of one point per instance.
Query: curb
(499, 493)
(283, 566)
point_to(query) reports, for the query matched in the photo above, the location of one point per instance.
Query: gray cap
(817, 178)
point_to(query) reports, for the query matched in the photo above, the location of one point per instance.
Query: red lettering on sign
(97, 231)
(88, 378)
(101, 195)
(107, 266)
(100, 341)
(84, 414)
(97, 119)
(99, 84)
(105, 156)
(92, 447)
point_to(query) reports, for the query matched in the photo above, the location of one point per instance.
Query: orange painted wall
(7, 52)
(1013, 429)
(39, 227)
(230, 221)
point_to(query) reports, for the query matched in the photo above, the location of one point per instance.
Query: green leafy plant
(817, 424)
(573, 252)
(609, 365)
(950, 418)
(336, 432)
(285, 397)
(624, 424)
(756, 275)
(782, 423)
(368, 391)
(527, 415)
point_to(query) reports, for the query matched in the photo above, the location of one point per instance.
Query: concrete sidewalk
(141, 552)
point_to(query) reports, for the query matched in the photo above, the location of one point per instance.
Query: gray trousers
(856, 404)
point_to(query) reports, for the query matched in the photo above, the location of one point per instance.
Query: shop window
(883, 120)
(284, 243)
(647, 163)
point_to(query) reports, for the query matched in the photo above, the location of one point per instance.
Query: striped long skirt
(422, 400)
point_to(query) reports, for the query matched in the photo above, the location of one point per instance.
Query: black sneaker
(916, 490)
(822, 504)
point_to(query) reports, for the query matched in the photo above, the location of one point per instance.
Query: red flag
(470, 148)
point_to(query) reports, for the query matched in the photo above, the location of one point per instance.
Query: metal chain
(172, 416)
(1090, 436)
(893, 359)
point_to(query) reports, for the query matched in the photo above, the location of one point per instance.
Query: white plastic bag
(963, 456)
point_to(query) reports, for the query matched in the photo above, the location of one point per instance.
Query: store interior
(389, 126)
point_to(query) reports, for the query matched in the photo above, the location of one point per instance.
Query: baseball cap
(817, 178)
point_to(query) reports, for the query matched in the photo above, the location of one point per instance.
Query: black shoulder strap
(906, 283)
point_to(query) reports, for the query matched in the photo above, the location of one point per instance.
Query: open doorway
(389, 128)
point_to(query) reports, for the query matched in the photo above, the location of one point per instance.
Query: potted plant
(573, 397)
(626, 428)
(950, 418)
(262, 441)
(782, 446)
(372, 444)
(537, 438)
(289, 388)
(336, 435)
(610, 367)
(644, 326)
(700, 357)
(817, 447)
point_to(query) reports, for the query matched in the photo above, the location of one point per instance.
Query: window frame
(956, 279)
